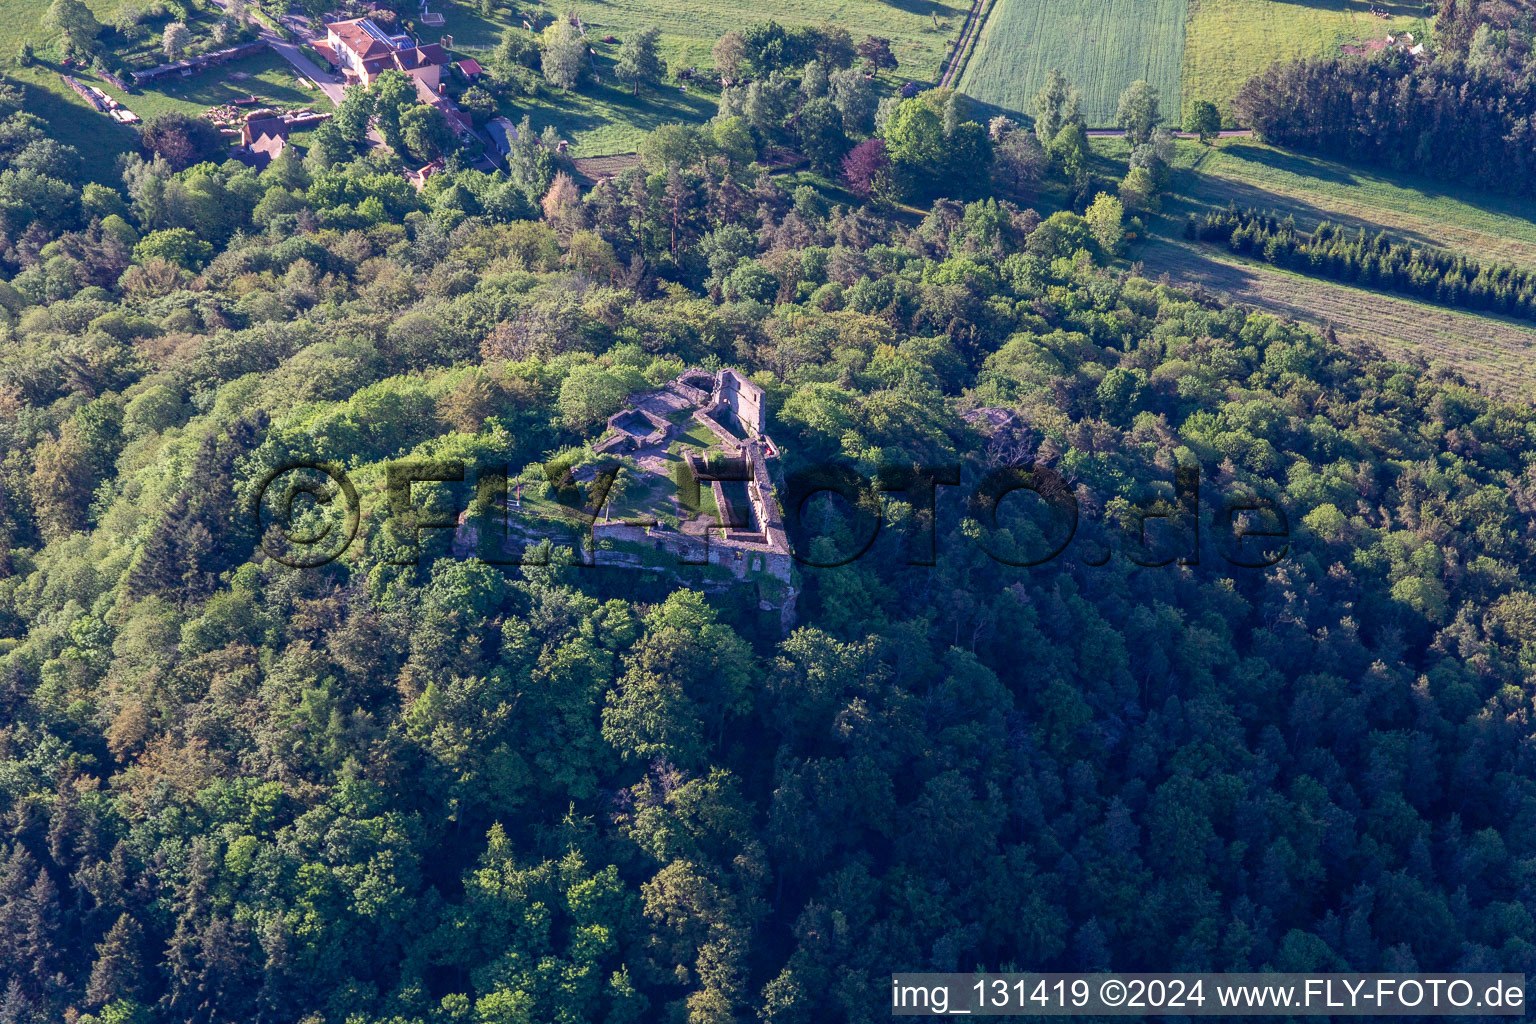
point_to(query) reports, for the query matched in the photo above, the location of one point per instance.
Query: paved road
(328, 83)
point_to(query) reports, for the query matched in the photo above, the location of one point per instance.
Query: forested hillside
(238, 791)
(1468, 115)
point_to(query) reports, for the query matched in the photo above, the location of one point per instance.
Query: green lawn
(470, 30)
(23, 19)
(71, 121)
(265, 75)
(603, 121)
(1229, 41)
(1101, 45)
(921, 31)
(1482, 225)
(600, 119)
(99, 139)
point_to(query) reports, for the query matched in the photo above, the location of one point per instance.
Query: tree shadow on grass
(1195, 194)
(921, 8)
(99, 139)
(1396, 8)
(1295, 163)
(595, 107)
(1430, 189)
(982, 111)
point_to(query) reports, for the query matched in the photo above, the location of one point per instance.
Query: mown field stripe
(1493, 352)
(1101, 45)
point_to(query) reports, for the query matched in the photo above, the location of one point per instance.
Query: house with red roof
(363, 51)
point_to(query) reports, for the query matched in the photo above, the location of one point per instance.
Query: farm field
(1229, 41)
(1496, 352)
(1482, 225)
(1491, 351)
(1101, 45)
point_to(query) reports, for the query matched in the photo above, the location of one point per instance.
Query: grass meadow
(265, 75)
(1101, 45)
(101, 140)
(1229, 41)
(921, 31)
(1491, 351)
(1487, 227)
(1496, 352)
(601, 118)
(23, 20)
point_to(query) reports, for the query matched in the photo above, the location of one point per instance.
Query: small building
(418, 178)
(470, 69)
(503, 133)
(263, 138)
(326, 52)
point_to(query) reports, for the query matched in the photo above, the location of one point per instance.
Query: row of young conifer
(1370, 260)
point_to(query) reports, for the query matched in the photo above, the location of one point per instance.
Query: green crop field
(1101, 45)
(1229, 41)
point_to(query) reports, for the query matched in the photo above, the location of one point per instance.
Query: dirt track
(967, 33)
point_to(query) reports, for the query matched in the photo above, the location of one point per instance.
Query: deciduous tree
(638, 63)
(565, 54)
